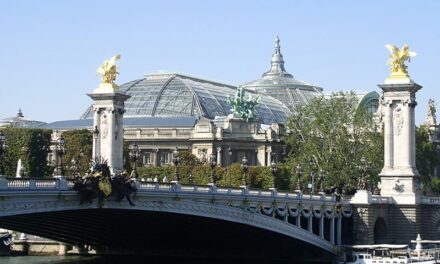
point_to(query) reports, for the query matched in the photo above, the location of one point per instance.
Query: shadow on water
(135, 260)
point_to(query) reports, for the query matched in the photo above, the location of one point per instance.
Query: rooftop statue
(397, 60)
(431, 118)
(243, 107)
(108, 70)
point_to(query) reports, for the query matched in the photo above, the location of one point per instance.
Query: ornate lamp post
(74, 167)
(299, 174)
(134, 155)
(321, 180)
(176, 161)
(212, 163)
(363, 178)
(311, 184)
(245, 168)
(273, 169)
(2, 148)
(230, 163)
(60, 150)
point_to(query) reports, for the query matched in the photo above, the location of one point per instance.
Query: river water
(120, 260)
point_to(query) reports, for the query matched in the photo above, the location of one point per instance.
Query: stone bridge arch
(264, 216)
(380, 231)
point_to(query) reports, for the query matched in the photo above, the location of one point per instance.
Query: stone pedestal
(108, 111)
(361, 197)
(399, 176)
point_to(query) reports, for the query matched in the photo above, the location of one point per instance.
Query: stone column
(298, 219)
(388, 138)
(269, 155)
(108, 119)
(154, 157)
(399, 176)
(219, 156)
(310, 222)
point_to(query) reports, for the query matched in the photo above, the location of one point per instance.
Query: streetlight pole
(245, 168)
(60, 150)
(176, 161)
(212, 163)
(363, 179)
(299, 173)
(74, 167)
(134, 156)
(321, 180)
(2, 149)
(273, 169)
(230, 164)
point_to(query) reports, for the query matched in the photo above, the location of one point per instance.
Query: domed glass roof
(180, 95)
(280, 84)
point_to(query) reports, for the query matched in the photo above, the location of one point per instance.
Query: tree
(333, 135)
(31, 146)
(426, 158)
(79, 144)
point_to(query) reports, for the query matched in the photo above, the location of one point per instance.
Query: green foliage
(258, 177)
(426, 158)
(31, 146)
(333, 134)
(435, 185)
(79, 144)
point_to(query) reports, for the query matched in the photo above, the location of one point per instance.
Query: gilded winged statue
(397, 59)
(108, 70)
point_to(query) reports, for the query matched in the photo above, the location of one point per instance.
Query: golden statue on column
(397, 61)
(108, 72)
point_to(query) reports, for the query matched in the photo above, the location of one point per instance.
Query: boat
(5, 242)
(387, 254)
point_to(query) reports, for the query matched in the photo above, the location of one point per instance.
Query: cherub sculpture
(397, 60)
(108, 70)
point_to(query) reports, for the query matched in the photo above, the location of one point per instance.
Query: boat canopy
(378, 246)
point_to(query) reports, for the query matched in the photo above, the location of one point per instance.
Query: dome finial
(277, 63)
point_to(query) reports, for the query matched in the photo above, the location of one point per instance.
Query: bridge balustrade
(62, 183)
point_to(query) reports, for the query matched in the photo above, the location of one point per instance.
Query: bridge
(170, 218)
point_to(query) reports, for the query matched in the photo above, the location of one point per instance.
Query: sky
(50, 50)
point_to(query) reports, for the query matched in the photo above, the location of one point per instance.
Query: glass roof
(180, 95)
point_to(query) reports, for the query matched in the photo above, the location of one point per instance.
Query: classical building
(20, 121)
(168, 110)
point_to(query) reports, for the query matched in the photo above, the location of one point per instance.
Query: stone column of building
(154, 157)
(269, 156)
(219, 156)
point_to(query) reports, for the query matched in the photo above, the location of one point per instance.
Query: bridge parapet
(61, 183)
